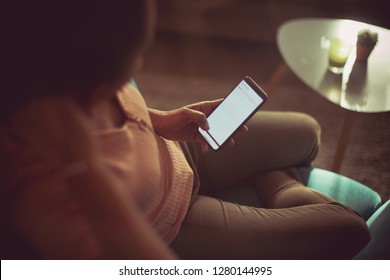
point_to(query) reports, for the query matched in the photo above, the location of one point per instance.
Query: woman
(88, 171)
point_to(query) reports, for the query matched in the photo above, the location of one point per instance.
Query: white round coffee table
(362, 88)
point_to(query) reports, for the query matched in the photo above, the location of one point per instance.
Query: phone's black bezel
(259, 91)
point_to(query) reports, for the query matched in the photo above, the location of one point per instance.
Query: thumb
(198, 117)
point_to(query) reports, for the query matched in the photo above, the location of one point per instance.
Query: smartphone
(233, 112)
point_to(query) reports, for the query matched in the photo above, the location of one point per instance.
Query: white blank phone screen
(231, 114)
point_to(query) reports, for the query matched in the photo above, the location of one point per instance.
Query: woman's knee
(310, 128)
(309, 131)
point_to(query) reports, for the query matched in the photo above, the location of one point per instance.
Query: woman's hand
(182, 124)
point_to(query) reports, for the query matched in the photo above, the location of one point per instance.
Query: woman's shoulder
(133, 103)
(130, 97)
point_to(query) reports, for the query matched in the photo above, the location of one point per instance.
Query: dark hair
(52, 46)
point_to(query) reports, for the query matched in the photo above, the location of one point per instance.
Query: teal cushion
(133, 83)
(379, 226)
(359, 197)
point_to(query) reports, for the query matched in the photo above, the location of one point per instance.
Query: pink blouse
(153, 170)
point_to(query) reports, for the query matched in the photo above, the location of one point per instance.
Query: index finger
(206, 106)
